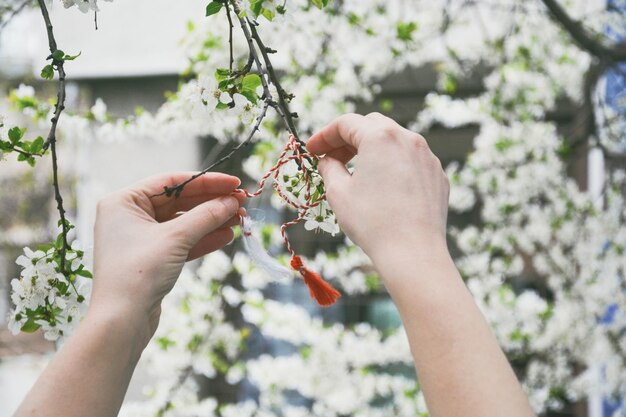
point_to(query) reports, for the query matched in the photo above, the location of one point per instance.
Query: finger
(379, 116)
(348, 129)
(335, 175)
(343, 155)
(211, 242)
(384, 121)
(204, 218)
(233, 221)
(172, 208)
(209, 183)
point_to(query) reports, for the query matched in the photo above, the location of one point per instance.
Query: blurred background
(132, 62)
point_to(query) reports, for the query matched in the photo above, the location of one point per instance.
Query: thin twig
(26, 154)
(230, 37)
(252, 37)
(282, 95)
(51, 140)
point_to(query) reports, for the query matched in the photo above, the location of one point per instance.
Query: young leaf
(250, 82)
(58, 55)
(213, 8)
(37, 145)
(256, 6)
(404, 30)
(47, 72)
(222, 73)
(84, 273)
(15, 134)
(268, 14)
(71, 57)
(5, 146)
(30, 326)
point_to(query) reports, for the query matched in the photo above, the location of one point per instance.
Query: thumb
(335, 175)
(205, 218)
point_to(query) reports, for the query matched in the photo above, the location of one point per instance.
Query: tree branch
(51, 140)
(582, 37)
(251, 35)
(230, 37)
(282, 95)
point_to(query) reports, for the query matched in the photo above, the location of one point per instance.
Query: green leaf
(59, 241)
(404, 30)
(45, 247)
(30, 326)
(15, 134)
(250, 95)
(268, 14)
(450, 83)
(47, 72)
(320, 4)
(249, 85)
(37, 145)
(213, 8)
(58, 55)
(84, 273)
(222, 73)
(5, 146)
(225, 85)
(71, 57)
(256, 6)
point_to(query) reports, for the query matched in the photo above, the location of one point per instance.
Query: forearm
(90, 374)
(461, 368)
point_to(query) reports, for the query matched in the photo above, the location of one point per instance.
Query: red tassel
(320, 290)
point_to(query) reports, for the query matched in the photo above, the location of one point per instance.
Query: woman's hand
(142, 241)
(398, 192)
(394, 205)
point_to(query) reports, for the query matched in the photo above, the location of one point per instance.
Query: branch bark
(582, 37)
(51, 140)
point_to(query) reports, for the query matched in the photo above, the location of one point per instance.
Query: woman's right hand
(397, 196)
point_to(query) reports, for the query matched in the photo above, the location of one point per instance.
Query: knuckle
(346, 118)
(389, 132)
(375, 114)
(418, 140)
(105, 203)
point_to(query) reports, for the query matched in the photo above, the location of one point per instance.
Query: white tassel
(259, 255)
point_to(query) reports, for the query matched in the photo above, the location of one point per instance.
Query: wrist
(423, 250)
(416, 264)
(124, 325)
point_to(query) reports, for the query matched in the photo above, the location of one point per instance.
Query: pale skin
(398, 192)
